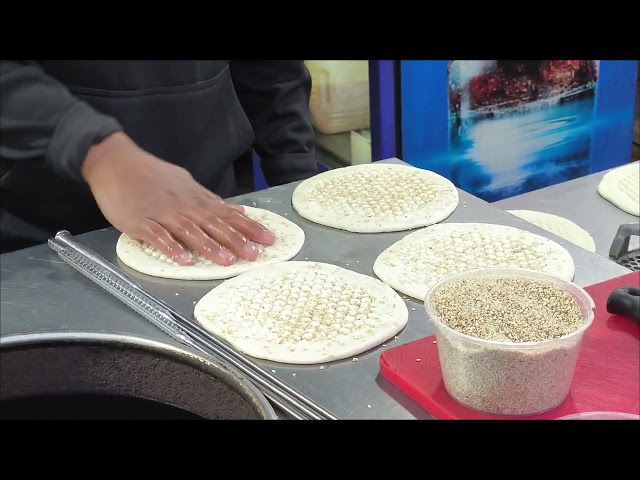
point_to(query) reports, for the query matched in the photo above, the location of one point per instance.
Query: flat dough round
(302, 312)
(621, 187)
(560, 226)
(421, 259)
(375, 198)
(146, 259)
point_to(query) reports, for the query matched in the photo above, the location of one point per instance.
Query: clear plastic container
(339, 95)
(507, 378)
(600, 416)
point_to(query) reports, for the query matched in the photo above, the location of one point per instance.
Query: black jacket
(201, 115)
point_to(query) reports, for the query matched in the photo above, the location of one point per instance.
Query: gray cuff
(81, 128)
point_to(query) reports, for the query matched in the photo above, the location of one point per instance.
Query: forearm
(41, 119)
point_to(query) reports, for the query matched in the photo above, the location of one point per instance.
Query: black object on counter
(625, 301)
(619, 251)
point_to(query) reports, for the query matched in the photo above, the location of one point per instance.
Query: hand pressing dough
(146, 259)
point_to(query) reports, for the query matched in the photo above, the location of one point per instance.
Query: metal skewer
(180, 327)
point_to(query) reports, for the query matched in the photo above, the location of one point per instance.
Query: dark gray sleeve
(275, 96)
(41, 118)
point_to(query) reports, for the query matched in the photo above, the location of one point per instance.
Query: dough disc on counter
(421, 259)
(621, 187)
(146, 259)
(375, 198)
(302, 312)
(560, 226)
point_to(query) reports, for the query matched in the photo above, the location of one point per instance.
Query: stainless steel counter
(577, 200)
(41, 294)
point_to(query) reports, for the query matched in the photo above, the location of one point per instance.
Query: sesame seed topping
(507, 309)
(501, 380)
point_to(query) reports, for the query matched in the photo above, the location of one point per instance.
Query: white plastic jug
(340, 95)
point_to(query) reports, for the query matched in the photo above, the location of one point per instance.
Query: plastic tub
(507, 378)
(601, 416)
(339, 95)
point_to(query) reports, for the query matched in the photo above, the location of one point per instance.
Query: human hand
(157, 202)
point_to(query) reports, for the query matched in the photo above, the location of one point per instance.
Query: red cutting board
(607, 376)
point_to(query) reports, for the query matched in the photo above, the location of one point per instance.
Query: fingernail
(250, 249)
(226, 255)
(186, 257)
(269, 232)
(270, 237)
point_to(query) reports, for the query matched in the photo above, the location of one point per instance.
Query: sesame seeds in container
(508, 338)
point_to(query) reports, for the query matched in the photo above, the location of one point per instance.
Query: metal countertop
(577, 200)
(42, 294)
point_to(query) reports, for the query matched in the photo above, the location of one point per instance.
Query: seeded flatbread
(560, 226)
(422, 258)
(302, 312)
(621, 187)
(146, 259)
(375, 198)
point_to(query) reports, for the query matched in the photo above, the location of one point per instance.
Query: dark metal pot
(108, 376)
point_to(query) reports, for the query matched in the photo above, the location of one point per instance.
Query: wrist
(108, 151)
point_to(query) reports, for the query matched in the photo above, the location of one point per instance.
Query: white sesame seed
(294, 374)
(177, 294)
(434, 341)
(520, 310)
(362, 194)
(368, 406)
(273, 371)
(418, 359)
(295, 309)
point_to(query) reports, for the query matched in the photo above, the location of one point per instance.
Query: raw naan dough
(146, 259)
(421, 259)
(560, 226)
(302, 312)
(375, 198)
(621, 187)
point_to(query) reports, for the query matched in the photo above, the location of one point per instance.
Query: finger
(223, 233)
(250, 228)
(190, 234)
(158, 237)
(212, 197)
(235, 206)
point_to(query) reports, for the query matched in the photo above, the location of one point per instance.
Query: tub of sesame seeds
(508, 339)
